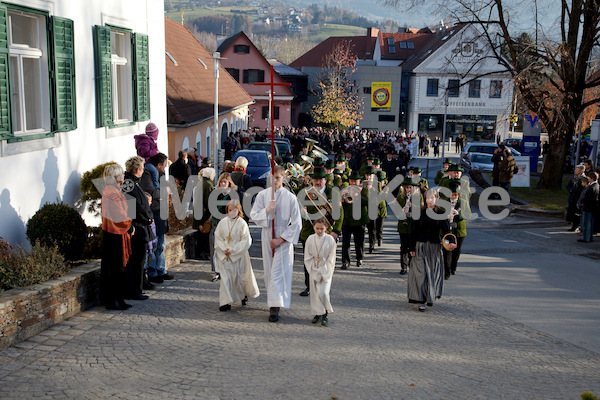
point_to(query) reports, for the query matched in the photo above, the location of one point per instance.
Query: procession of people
(340, 195)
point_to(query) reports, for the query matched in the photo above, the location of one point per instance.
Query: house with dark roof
(190, 95)
(299, 87)
(418, 70)
(247, 66)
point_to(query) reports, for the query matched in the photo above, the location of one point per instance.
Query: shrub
(93, 245)
(588, 396)
(60, 225)
(89, 193)
(5, 250)
(39, 265)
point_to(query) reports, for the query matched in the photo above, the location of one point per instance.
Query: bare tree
(340, 104)
(549, 70)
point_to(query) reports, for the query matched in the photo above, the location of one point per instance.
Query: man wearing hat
(371, 225)
(206, 163)
(192, 160)
(458, 226)
(455, 177)
(329, 168)
(363, 169)
(443, 172)
(389, 164)
(497, 159)
(415, 175)
(314, 199)
(352, 226)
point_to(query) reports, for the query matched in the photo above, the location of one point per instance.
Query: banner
(521, 178)
(381, 94)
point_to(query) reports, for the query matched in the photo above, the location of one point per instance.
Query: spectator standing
(180, 169)
(589, 207)
(506, 169)
(574, 187)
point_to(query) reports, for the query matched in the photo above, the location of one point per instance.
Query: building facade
(78, 80)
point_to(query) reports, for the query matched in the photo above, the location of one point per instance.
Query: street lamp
(444, 126)
(216, 134)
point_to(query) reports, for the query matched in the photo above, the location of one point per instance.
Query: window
(367, 90)
(410, 45)
(37, 74)
(241, 49)
(402, 45)
(496, 89)
(122, 76)
(453, 87)
(265, 112)
(234, 72)
(432, 87)
(475, 88)
(254, 75)
(391, 45)
(387, 118)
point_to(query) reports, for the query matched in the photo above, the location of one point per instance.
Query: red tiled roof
(191, 87)
(418, 39)
(362, 48)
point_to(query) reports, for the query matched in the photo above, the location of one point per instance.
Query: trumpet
(350, 193)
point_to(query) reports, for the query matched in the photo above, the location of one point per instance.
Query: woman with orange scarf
(116, 240)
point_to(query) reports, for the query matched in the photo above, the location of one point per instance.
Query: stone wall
(25, 312)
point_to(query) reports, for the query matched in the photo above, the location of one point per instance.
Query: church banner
(381, 94)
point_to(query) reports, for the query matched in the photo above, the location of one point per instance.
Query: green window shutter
(141, 78)
(104, 107)
(5, 116)
(64, 70)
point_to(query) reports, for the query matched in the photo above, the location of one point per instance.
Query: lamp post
(444, 126)
(216, 134)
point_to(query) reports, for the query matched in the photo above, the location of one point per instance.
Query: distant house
(299, 87)
(78, 80)
(190, 95)
(247, 65)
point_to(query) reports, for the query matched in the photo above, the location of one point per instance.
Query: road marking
(537, 234)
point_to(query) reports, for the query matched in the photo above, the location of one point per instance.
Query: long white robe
(237, 277)
(278, 269)
(319, 260)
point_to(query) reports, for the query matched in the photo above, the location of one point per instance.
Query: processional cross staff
(272, 84)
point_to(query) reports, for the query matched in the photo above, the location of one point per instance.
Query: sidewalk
(177, 345)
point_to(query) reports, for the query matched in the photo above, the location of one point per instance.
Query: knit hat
(152, 130)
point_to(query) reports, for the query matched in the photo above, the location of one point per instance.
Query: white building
(78, 79)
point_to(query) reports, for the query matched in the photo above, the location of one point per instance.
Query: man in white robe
(288, 223)
(232, 261)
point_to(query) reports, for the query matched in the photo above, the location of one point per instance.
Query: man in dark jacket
(589, 207)
(574, 187)
(496, 159)
(506, 169)
(180, 170)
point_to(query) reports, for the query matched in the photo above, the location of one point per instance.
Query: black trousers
(451, 257)
(134, 272)
(306, 274)
(112, 277)
(375, 229)
(405, 250)
(358, 232)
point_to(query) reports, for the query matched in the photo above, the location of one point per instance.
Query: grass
(544, 199)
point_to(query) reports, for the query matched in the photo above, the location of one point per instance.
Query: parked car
(259, 165)
(266, 146)
(477, 161)
(489, 148)
(515, 143)
(285, 149)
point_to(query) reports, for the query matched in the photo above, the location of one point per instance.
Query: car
(477, 161)
(285, 149)
(259, 165)
(266, 146)
(489, 148)
(515, 143)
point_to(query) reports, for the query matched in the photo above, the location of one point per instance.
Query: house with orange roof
(190, 95)
(247, 66)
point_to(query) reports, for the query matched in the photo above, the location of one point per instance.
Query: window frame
(496, 86)
(245, 47)
(235, 73)
(453, 87)
(265, 112)
(430, 91)
(57, 78)
(260, 78)
(475, 88)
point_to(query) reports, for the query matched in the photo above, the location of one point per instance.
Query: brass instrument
(350, 193)
(328, 208)
(310, 144)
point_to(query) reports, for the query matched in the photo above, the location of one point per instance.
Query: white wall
(40, 171)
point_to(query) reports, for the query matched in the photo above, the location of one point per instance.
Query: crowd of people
(583, 205)
(362, 163)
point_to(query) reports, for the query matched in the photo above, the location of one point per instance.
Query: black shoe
(379, 243)
(274, 314)
(167, 276)
(359, 263)
(226, 307)
(446, 277)
(316, 319)
(305, 292)
(148, 286)
(156, 279)
(344, 266)
(403, 271)
(115, 306)
(216, 277)
(573, 229)
(245, 300)
(452, 272)
(140, 297)
(371, 250)
(123, 305)
(583, 241)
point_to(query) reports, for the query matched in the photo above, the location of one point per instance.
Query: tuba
(350, 193)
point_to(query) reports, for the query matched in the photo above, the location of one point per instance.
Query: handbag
(207, 226)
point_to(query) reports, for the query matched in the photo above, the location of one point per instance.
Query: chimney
(372, 32)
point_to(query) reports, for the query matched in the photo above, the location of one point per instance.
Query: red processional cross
(272, 84)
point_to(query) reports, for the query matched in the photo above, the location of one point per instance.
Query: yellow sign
(381, 94)
(514, 118)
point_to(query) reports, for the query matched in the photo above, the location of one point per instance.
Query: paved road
(519, 321)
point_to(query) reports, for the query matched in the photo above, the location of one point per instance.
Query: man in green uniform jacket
(351, 226)
(406, 197)
(458, 226)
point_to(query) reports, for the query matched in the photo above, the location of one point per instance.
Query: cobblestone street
(177, 345)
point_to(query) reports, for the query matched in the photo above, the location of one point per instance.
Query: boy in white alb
(319, 260)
